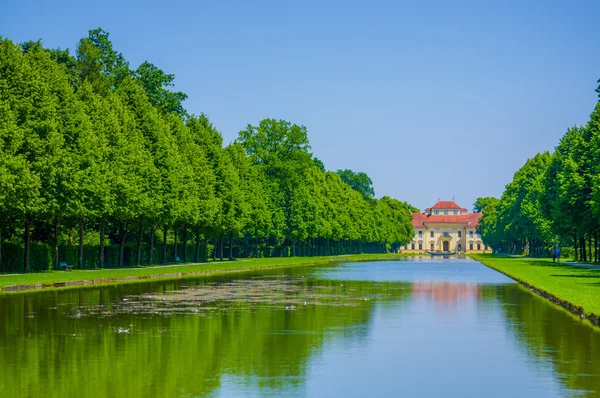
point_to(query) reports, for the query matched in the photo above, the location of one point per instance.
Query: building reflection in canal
(447, 293)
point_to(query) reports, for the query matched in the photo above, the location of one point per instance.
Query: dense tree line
(102, 164)
(553, 200)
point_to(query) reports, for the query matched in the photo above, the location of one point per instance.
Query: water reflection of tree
(50, 346)
(547, 332)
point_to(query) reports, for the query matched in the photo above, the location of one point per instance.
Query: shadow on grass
(542, 263)
(567, 270)
(577, 276)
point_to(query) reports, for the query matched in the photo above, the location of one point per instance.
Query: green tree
(156, 83)
(481, 203)
(489, 223)
(93, 198)
(252, 213)
(99, 64)
(134, 174)
(281, 151)
(358, 181)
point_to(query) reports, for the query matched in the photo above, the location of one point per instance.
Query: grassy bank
(17, 282)
(575, 288)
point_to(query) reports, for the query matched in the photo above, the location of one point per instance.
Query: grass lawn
(579, 286)
(128, 274)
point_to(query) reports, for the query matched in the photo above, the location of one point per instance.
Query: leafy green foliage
(155, 82)
(358, 181)
(481, 203)
(99, 63)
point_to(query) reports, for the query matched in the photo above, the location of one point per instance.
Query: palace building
(446, 227)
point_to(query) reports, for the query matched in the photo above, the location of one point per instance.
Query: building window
(446, 212)
(420, 234)
(420, 246)
(455, 212)
(436, 212)
(459, 233)
(431, 234)
(459, 246)
(470, 246)
(470, 234)
(446, 235)
(412, 246)
(478, 246)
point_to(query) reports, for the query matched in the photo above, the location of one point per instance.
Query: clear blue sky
(431, 99)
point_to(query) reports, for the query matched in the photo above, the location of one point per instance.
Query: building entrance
(446, 245)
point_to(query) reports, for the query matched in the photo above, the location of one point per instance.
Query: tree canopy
(360, 182)
(99, 162)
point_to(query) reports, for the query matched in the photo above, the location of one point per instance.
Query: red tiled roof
(471, 220)
(474, 221)
(417, 219)
(446, 204)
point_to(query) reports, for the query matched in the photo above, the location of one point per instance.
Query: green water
(403, 328)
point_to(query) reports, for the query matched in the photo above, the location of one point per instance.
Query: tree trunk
(221, 248)
(197, 252)
(1, 228)
(122, 238)
(164, 254)
(575, 247)
(205, 256)
(56, 242)
(138, 257)
(174, 242)
(151, 249)
(230, 246)
(101, 254)
(595, 246)
(80, 258)
(27, 237)
(215, 247)
(185, 241)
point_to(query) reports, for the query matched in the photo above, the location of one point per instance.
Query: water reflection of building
(447, 292)
(446, 227)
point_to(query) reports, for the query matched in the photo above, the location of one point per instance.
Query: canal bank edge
(79, 279)
(575, 309)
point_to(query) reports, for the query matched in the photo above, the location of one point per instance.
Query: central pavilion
(446, 227)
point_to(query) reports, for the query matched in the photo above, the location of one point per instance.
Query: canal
(420, 327)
